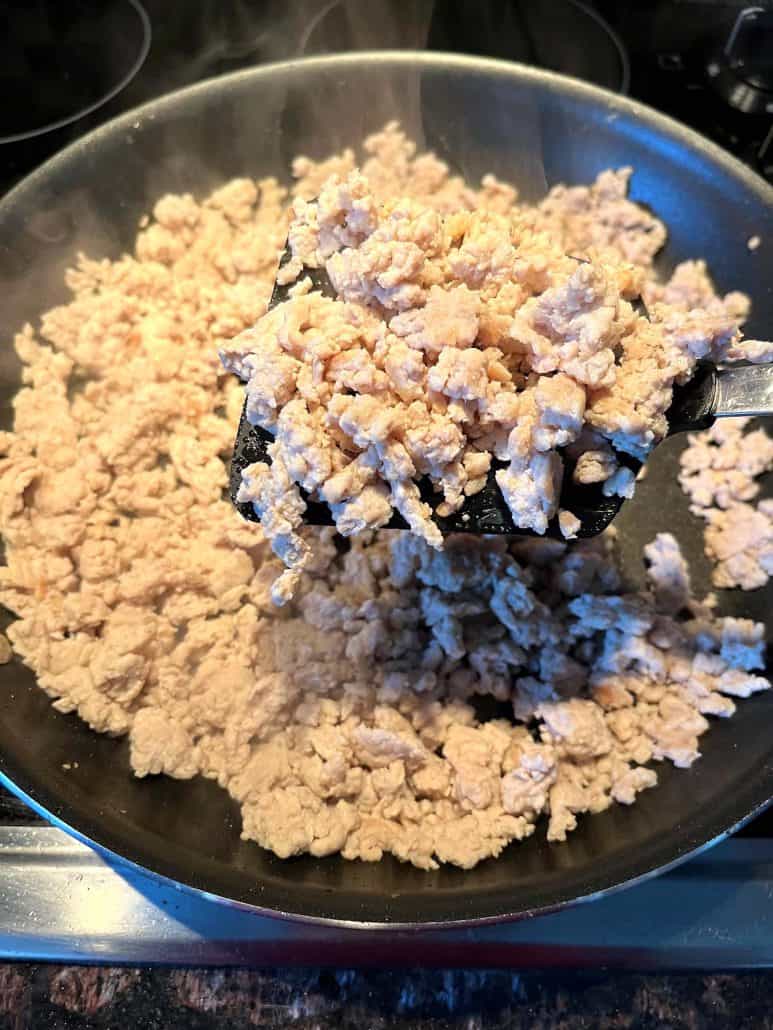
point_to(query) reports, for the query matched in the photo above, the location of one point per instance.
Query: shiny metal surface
(747, 390)
(62, 901)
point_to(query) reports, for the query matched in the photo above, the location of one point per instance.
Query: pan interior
(525, 126)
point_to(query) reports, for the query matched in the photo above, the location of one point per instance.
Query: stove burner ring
(614, 39)
(145, 34)
(566, 36)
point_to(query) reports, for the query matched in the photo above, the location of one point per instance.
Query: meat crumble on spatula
(463, 373)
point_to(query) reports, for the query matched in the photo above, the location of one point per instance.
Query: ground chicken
(720, 470)
(349, 721)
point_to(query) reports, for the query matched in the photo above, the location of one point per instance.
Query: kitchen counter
(54, 997)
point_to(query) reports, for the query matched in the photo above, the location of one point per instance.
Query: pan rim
(617, 103)
(409, 60)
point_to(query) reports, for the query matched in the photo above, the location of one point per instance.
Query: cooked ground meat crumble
(345, 721)
(720, 472)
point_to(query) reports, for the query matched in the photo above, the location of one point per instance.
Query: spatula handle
(744, 390)
(721, 393)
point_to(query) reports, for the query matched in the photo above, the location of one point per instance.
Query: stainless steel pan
(532, 127)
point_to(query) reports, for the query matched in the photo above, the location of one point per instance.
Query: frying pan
(529, 126)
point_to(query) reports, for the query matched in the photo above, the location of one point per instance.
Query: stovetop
(705, 62)
(708, 63)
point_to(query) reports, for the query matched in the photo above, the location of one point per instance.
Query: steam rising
(92, 202)
(216, 36)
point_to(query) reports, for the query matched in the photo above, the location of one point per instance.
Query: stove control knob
(742, 72)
